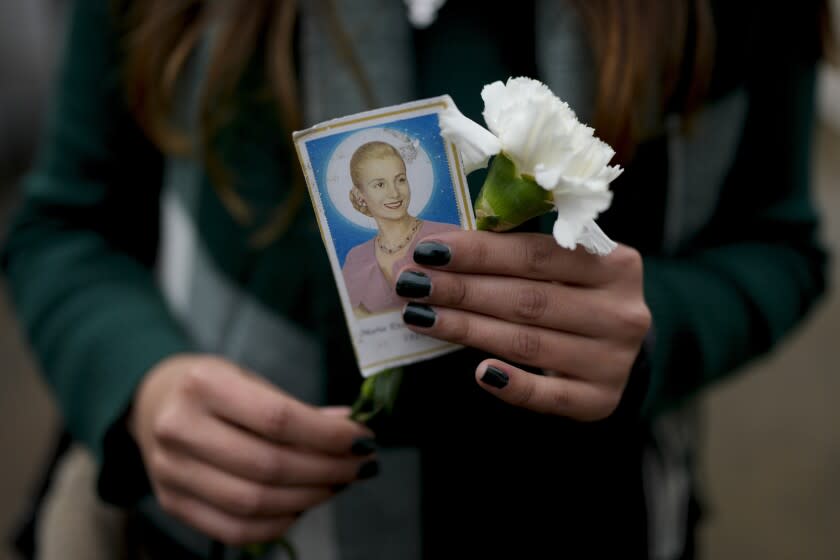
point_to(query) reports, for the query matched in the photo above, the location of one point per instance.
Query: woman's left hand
(580, 317)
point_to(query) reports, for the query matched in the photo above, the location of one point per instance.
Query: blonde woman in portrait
(381, 190)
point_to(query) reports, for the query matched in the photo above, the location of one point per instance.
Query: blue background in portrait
(442, 206)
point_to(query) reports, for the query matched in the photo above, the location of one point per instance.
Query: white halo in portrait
(418, 166)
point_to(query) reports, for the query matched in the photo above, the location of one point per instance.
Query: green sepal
(508, 199)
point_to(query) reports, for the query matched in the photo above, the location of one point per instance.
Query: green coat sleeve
(80, 253)
(758, 268)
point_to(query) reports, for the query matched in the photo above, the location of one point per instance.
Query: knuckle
(560, 398)
(531, 303)
(459, 330)
(268, 467)
(170, 503)
(339, 439)
(158, 463)
(526, 395)
(456, 293)
(277, 419)
(538, 253)
(167, 425)
(345, 473)
(612, 368)
(478, 250)
(193, 382)
(525, 345)
(616, 373)
(627, 260)
(635, 319)
(248, 502)
(237, 533)
(606, 405)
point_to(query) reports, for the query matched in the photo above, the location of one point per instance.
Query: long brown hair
(160, 37)
(638, 44)
(645, 44)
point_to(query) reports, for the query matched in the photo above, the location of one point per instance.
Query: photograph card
(380, 182)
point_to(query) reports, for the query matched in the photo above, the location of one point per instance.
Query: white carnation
(542, 136)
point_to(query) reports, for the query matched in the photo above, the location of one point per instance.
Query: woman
(381, 191)
(151, 337)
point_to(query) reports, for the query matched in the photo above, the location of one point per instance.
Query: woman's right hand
(233, 456)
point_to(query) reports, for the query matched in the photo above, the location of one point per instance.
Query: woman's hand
(236, 458)
(580, 317)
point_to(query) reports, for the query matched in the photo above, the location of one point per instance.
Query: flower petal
(531, 122)
(476, 144)
(575, 209)
(495, 99)
(595, 241)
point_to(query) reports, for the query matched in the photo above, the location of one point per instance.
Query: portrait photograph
(381, 182)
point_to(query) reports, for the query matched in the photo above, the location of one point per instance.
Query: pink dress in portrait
(365, 282)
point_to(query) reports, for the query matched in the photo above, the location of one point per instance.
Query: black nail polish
(368, 470)
(419, 315)
(432, 253)
(412, 284)
(495, 378)
(363, 446)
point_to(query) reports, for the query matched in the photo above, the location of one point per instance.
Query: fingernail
(419, 315)
(432, 253)
(495, 378)
(368, 470)
(412, 284)
(363, 446)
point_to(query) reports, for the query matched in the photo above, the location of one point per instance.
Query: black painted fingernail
(363, 446)
(412, 284)
(432, 253)
(368, 470)
(419, 315)
(495, 378)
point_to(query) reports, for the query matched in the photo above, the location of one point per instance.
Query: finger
(254, 404)
(245, 455)
(527, 255)
(547, 304)
(339, 411)
(574, 355)
(549, 395)
(230, 529)
(233, 495)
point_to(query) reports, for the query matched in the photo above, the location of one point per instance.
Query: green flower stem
(378, 394)
(508, 199)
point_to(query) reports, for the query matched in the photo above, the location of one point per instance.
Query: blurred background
(771, 457)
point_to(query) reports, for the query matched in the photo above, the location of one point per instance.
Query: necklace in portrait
(401, 245)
